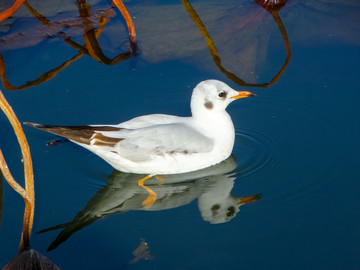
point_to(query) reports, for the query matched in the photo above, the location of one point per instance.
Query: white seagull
(164, 144)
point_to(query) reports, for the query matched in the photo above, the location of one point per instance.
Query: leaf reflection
(216, 57)
(211, 187)
(90, 34)
(93, 24)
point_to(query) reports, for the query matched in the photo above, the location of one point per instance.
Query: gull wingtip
(32, 124)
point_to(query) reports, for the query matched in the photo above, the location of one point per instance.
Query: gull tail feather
(79, 134)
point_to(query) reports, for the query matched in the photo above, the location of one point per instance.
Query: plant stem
(28, 194)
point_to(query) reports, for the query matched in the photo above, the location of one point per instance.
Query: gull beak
(243, 94)
(249, 199)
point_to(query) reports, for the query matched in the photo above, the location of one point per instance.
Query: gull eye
(230, 211)
(222, 94)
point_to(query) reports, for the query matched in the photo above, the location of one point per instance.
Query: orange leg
(149, 201)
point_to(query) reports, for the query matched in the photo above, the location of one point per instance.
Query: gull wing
(139, 144)
(159, 140)
(150, 120)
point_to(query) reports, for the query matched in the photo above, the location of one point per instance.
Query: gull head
(213, 96)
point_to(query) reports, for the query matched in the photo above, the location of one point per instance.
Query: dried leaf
(142, 252)
(30, 259)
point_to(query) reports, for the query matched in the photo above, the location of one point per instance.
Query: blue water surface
(297, 142)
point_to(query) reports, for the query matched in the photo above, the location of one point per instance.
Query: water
(295, 156)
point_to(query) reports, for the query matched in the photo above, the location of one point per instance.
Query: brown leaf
(30, 259)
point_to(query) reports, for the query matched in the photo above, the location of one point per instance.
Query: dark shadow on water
(211, 187)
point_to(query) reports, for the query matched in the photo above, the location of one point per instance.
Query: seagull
(159, 144)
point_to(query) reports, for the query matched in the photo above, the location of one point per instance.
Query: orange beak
(243, 94)
(249, 199)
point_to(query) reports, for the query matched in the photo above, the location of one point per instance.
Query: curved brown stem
(10, 11)
(131, 28)
(216, 57)
(282, 29)
(42, 78)
(37, 15)
(29, 193)
(92, 47)
(210, 42)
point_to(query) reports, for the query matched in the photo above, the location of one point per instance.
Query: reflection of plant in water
(91, 35)
(93, 49)
(130, 24)
(273, 10)
(7, 13)
(118, 3)
(26, 256)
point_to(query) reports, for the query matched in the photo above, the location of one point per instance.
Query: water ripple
(304, 160)
(254, 152)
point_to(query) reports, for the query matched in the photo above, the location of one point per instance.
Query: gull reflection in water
(211, 187)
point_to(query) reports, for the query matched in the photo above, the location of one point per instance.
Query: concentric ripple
(304, 160)
(254, 152)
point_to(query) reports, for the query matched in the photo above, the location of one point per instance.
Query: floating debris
(56, 141)
(142, 252)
